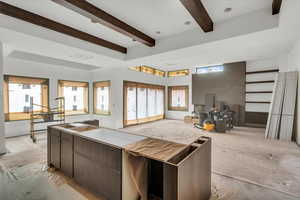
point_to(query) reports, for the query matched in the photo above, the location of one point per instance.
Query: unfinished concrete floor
(245, 166)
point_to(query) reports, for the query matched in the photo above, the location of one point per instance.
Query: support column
(2, 138)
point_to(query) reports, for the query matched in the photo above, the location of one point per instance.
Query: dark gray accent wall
(229, 86)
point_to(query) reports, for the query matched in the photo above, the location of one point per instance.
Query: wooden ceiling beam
(97, 15)
(199, 13)
(32, 18)
(276, 7)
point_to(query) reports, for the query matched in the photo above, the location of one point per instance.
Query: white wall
(54, 73)
(117, 76)
(279, 62)
(2, 139)
(179, 81)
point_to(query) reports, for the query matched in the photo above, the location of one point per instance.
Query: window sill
(17, 120)
(103, 114)
(178, 110)
(76, 114)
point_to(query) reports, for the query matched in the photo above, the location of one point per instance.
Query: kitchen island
(121, 166)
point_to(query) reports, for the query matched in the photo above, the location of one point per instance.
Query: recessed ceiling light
(187, 23)
(133, 40)
(228, 10)
(157, 32)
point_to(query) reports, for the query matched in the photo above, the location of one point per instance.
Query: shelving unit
(259, 92)
(45, 116)
(255, 82)
(264, 102)
(263, 71)
(256, 97)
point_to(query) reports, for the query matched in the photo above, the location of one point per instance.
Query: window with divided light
(178, 98)
(18, 92)
(210, 69)
(142, 103)
(102, 97)
(76, 96)
(183, 72)
(149, 70)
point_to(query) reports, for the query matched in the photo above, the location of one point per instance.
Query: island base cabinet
(97, 167)
(66, 165)
(188, 175)
(54, 158)
(106, 170)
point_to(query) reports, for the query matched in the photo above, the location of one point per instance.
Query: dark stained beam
(32, 18)
(99, 16)
(276, 6)
(199, 13)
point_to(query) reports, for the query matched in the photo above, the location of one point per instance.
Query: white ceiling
(51, 61)
(56, 12)
(148, 16)
(167, 16)
(216, 8)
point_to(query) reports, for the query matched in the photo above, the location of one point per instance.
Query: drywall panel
(259, 97)
(54, 73)
(2, 138)
(273, 127)
(259, 87)
(257, 107)
(289, 103)
(278, 96)
(294, 63)
(261, 77)
(297, 137)
(286, 127)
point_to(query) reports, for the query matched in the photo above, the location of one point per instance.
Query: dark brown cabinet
(55, 138)
(98, 167)
(105, 169)
(67, 154)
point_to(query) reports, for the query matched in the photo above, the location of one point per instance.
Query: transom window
(210, 69)
(183, 72)
(149, 70)
(178, 98)
(22, 92)
(102, 97)
(76, 96)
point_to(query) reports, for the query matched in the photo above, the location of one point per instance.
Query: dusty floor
(245, 166)
(24, 174)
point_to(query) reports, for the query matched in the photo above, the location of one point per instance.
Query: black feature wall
(228, 87)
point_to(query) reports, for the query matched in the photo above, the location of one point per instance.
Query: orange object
(209, 127)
